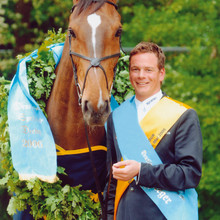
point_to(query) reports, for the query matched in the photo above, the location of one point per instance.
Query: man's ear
(75, 2)
(162, 74)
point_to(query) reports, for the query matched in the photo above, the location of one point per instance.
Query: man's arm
(184, 171)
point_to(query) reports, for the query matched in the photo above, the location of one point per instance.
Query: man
(155, 146)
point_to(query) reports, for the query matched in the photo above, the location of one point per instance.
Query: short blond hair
(149, 47)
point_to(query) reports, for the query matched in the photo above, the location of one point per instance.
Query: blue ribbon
(134, 145)
(32, 144)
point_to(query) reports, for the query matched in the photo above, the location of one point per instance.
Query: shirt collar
(149, 100)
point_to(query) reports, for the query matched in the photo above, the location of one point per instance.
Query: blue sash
(134, 145)
(32, 144)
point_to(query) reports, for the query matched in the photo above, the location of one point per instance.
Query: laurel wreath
(45, 199)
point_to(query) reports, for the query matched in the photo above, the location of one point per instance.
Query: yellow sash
(155, 125)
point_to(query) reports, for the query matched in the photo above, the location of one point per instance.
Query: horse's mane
(84, 4)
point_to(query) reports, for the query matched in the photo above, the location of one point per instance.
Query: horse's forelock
(84, 4)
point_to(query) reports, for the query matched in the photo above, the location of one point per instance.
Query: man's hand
(126, 170)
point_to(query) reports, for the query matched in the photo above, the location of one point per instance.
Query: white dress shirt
(144, 106)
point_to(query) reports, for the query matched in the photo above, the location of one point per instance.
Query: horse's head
(94, 40)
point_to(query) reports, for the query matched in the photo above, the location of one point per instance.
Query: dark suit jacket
(181, 153)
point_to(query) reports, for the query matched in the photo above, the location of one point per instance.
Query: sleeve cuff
(138, 176)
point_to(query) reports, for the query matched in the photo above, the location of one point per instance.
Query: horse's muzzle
(95, 116)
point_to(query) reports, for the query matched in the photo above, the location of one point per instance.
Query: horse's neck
(64, 113)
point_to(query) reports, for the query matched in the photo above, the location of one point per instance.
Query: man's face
(145, 76)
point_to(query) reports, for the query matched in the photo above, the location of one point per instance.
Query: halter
(94, 62)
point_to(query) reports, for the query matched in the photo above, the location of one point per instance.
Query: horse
(82, 89)
(94, 32)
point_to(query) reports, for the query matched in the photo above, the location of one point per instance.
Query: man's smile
(142, 83)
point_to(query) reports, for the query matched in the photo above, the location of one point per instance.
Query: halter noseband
(94, 62)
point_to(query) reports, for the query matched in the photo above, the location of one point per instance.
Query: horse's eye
(118, 32)
(72, 33)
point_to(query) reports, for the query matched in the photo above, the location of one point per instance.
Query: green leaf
(4, 180)
(61, 170)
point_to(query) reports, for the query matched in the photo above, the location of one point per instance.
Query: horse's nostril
(85, 106)
(107, 106)
(104, 107)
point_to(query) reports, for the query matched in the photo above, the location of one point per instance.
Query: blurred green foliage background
(191, 76)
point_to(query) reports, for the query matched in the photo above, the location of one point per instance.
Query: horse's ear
(115, 1)
(75, 2)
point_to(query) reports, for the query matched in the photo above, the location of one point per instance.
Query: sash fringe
(48, 179)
